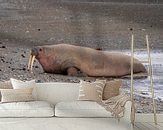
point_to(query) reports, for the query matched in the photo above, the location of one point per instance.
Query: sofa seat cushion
(80, 109)
(26, 109)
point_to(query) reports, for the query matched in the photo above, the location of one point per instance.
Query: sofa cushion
(91, 91)
(111, 89)
(5, 85)
(26, 109)
(80, 109)
(16, 95)
(18, 84)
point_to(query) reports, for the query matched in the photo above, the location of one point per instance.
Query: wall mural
(85, 39)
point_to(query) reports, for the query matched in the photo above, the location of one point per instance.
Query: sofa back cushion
(111, 89)
(91, 91)
(5, 85)
(56, 92)
(18, 84)
(16, 95)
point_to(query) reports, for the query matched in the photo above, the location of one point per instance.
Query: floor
(146, 122)
(143, 122)
(148, 126)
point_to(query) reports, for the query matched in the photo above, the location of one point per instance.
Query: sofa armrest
(127, 112)
(126, 119)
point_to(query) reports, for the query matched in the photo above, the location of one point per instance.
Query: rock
(38, 81)
(3, 47)
(2, 60)
(23, 55)
(139, 111)
(144, 93)
(36, 66)
(131, 29)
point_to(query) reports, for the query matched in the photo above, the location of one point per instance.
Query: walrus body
(70, 59)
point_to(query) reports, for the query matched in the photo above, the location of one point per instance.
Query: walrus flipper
(72, 71)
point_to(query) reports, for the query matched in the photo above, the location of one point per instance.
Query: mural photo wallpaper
(65, 41)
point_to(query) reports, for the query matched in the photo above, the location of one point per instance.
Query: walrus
(69, 59)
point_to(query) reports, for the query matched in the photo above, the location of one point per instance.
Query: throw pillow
(18, 84)
(91, 91)
(111, 89)
(16, 95)
(5, 85)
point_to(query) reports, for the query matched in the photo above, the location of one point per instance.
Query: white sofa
(63, 113)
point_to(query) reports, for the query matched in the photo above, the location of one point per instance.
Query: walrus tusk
(32, 61)
(29, 62)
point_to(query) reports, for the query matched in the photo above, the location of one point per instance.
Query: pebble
(139, 111)
(144, 93)
(38, 81)
(36, 66)
(2, 60)
(23, 55)
(131, 29)
(3, 47)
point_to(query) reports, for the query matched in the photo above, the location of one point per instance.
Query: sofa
(57, 108)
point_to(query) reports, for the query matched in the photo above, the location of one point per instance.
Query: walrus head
(46, 57)
(35, 53)
(41, 53)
